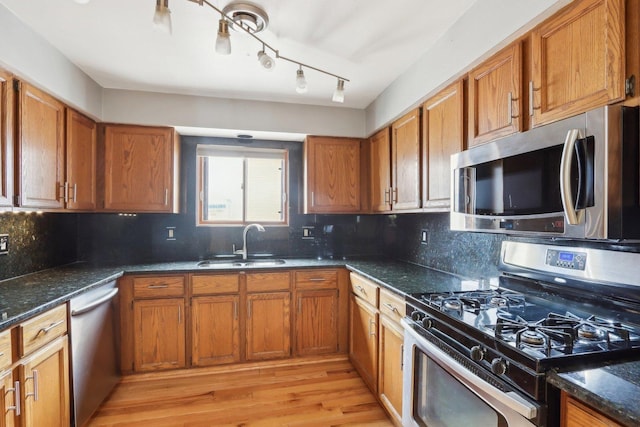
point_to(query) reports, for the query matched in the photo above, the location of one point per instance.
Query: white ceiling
(370, 42)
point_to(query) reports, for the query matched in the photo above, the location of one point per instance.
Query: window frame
(204, 150)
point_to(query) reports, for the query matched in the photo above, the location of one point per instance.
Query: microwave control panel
(567, 259)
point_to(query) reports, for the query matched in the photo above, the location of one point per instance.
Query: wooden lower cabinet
(159, 334)
(8, 402)
(44, 377)
(317, 321)
(576, 414)
(391, 345)
(363, 341)
(215, 331)
(268, 326)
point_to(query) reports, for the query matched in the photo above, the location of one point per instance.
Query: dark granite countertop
(613, 390)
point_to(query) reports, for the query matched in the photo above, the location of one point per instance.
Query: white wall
(206, 112)
(486, 26)
(29, 56)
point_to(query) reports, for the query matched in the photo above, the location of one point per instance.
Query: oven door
(439, 392)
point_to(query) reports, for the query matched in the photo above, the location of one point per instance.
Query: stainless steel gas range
(480, 357)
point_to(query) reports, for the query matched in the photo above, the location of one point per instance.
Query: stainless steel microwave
(577, 178)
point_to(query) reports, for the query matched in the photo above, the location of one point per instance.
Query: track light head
(338, 95)
(266, 61)
(223, 41)
(162, 16)
(301, 81)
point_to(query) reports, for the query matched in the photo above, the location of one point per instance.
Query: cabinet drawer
(391, 305)
(264, 282)
(317, 279)
(5, 349)
(214, 284)
(159, 286)
(42, 329)
(365, 289)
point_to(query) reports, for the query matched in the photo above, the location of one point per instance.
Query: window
(240, 185)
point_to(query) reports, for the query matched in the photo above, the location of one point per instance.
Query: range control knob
(427, 322)
(417, 316)
(498, 366)
(477, 353)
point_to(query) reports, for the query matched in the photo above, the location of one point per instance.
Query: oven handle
(511, 399)
(573, 217)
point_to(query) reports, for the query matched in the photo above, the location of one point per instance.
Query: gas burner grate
(475, 301)
(594, 329)
(534, 336)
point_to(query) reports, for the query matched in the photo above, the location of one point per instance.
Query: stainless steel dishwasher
(93, 350)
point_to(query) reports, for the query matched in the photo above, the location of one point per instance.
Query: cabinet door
(139, 169)
(578, 60)
(159, 334)
(268, 326)
(317, 322)
(363, 341)
(332, 175)
(576, 414)
(6, 139)
(44, 377)
(390, 367)
(443, 118)
(81, 161)
(380, 148)
(215, 330)
(495, 102)
(40, 149)
(8, 401)
(405, 160)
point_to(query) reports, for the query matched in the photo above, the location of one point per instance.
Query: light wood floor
(313, 392)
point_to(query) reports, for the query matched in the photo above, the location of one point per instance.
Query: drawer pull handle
(316, 279)
(391, 307)
(163, 286)
(34, 377)
(1, 353)
(372, 332)
(361, 289)
(16, 398)
(46, 330)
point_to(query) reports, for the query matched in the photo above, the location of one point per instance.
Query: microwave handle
(573, 216)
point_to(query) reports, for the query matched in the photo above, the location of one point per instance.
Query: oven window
(442, 401)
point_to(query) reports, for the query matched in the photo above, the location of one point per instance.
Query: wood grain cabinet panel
(363, 340)
(443, 129)
(317, 321)
(405, 162)
(6, 138)
(380, 169)
(40, 149)
(140, 169)
(8, 399)
(81, 145)
(215, 330)
(332, 175)
(495, 100)
(391, 347)
(268, 325)
(578, 60)
(576, 414)
(44, 378)
(159, 334)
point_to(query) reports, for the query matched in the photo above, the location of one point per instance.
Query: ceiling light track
(251, 19)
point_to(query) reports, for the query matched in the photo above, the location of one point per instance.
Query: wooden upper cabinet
(40, 149)
(443, 126)
(495, 101)
(140, 169)
(6, 138)
(332, 178)
(380, 167)
(578, 60)
(405, 161)
(80, 183)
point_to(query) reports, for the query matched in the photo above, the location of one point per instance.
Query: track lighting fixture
(162, 16)
(338, 94)
(250, 19)
(223, 42)
(265, 60)
(301, 82)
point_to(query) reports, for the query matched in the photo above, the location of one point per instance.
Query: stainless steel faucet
(244, 250)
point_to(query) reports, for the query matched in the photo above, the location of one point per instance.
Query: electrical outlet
(4, 244)
(308, 232)
(424, 237)
(171, 233)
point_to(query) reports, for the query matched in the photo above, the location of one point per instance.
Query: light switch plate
(424, 237)
(4, 244)
(308, 232)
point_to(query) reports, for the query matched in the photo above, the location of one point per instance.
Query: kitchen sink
(240, 263)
